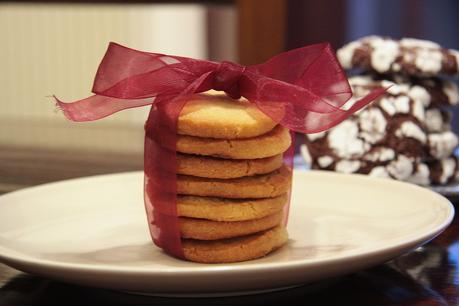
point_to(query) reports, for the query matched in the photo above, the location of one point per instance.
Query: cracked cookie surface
(212, 230)
(274, 142)
(235, 249)
(259, 186)
(212, 167)
(219, 209)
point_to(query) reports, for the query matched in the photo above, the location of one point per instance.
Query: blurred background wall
(55, 47)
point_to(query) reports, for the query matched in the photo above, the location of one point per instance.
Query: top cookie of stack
(232, 185)
(405, 134)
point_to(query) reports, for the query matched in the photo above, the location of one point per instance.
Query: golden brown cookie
(235, 249)
(219, 209)
(212, 230)
(259, 186)
(272, 143)
(212, 167)
(215, 115)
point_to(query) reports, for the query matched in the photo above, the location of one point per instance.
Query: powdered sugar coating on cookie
(427, 91)
(388, 106)
(406, 56)
(448, 167)
(375, 135)
(343, 140)
(315, 136)
(347, 166)
(346, 54)
(452, 92)
(372, 125)
(325, 161)
(405, 134)
(436, 121)
(441, 145)
(409, 129)
(384, 54)
(419, 93)
(429, 61)
(380, 154)
(418, 43)
(421, 175)
(400, 168)
(379, 172)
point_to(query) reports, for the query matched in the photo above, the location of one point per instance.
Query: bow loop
(302, 89)
(226, 78)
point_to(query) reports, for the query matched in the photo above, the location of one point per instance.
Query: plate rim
(209, 269)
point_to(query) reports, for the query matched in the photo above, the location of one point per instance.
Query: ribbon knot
(226, 78)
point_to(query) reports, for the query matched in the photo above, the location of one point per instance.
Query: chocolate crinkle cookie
(406, 134)
(407, 56)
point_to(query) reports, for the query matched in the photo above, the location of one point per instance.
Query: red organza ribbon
(303, 90)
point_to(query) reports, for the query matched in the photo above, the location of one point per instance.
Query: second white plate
(93, 231)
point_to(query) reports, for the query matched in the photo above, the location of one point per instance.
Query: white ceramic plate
(451, 191)
(92, 231)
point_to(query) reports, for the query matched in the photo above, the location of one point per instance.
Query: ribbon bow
(303, 90)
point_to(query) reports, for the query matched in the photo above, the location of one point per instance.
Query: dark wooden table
(427, 276)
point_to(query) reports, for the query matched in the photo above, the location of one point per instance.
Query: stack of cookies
(232, 184)
(406, 134)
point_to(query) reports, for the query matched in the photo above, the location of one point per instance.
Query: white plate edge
(228, 268)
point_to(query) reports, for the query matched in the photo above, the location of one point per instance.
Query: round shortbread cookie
(406, 56)
(212, 230)
(215, 115)
(272, 143)
(235, 249)
(219, 209)
(226, 168)
(260, 186)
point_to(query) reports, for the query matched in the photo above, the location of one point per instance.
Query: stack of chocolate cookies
(406, 134)
(232, 184)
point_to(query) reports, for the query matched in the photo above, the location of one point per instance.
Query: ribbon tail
(160, 167)
(319, 122)
(97, 107)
